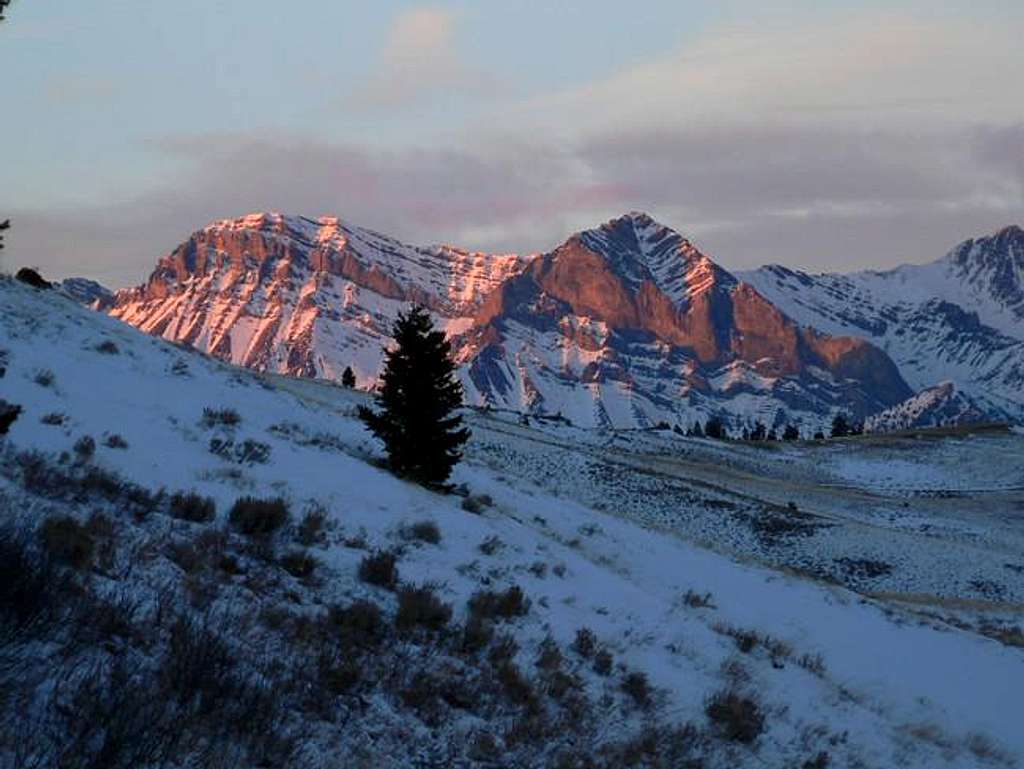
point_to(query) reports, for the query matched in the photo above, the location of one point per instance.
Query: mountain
(304, 296)
(87, 292)
(960, 318)
(932, 407)
(627, 324)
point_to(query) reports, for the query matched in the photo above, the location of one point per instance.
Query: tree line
(843, 426)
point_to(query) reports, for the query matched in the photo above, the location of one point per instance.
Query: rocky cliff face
(303, 296)
(626, 324)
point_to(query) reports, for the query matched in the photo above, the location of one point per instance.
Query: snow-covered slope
(960, 318)
(834, 673)
(626, 324)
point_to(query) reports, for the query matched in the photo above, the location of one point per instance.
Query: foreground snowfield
(895, 687)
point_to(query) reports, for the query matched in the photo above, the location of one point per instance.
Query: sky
(823, 135)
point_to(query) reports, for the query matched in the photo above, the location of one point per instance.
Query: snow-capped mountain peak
(641, 249)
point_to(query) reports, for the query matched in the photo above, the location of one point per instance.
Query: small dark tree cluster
(843, 426)
(760, 432)
(714, 427)
(348, 377)
(417, 400)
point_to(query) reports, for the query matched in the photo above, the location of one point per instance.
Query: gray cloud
(807, 197)
(822, 198)
(419, 195)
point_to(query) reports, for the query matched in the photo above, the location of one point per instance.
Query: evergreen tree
(4, 225)
(791, 433)
(417, 398)
(348, 377)
(697, 431)
(759, 431)
(714, 428)
(840, 426)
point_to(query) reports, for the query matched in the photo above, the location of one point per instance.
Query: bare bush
(192, 506)
(115, 441)
(737, 717)
(380, 569)
(585, 643)
(491, 604)
(85, 448)
(222, 417)
(258, 517)
(419, 607)
(638, 688)
(310, 530)
(422, 531)
(299, 564)
(66, 540)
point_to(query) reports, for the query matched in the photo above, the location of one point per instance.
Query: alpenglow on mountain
(627, 324)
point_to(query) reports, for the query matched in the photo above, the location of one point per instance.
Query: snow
(886, 670)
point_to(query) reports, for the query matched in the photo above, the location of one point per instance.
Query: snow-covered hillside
(839, 679)
(960, 318)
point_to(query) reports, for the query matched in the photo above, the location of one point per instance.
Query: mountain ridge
(309, 296)
(624, 324)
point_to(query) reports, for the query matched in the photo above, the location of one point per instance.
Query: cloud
(858, 144)
(422, 195)
(866, 70)
(420, 60)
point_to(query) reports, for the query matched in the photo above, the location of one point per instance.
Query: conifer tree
(791, 433)
(416, 401)
(348, 377)
(715, 428)
(840, 426)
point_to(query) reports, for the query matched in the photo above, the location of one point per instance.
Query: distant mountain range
(627, 324)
